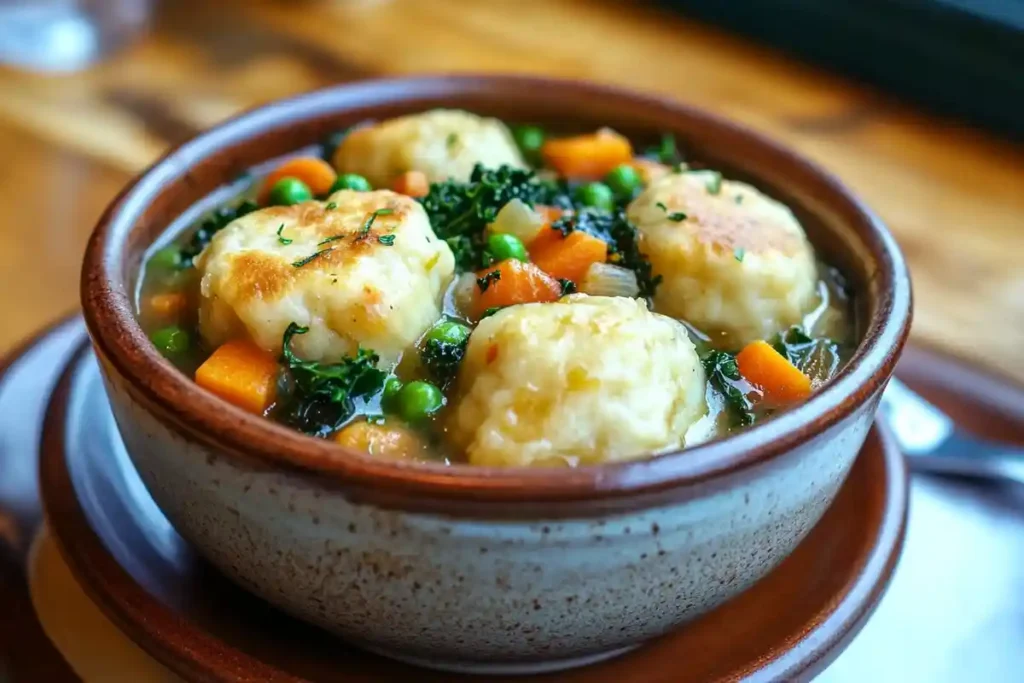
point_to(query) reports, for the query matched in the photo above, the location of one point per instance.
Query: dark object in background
(959, 57)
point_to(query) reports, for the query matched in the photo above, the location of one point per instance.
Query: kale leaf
(322, 395)
(722, 373)
(460, 212)
(210, 226)
(442, 359)
(819, 359)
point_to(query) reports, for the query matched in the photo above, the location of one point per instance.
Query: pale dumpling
(733, 260)
(442, 143)
(360, 269)
(584, 380)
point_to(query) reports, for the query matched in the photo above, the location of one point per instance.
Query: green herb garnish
(321, 396)
(386, 240)
(365, 230)
(739, 253)
(661, 205)
(484, 282)
(568, 286)
(452, 140)
(282, 240)
(312, 257)
(677, 217)
(666, 152)
(331, 206)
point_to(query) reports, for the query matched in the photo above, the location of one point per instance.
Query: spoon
(934, 444)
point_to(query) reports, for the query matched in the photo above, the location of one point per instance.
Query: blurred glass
(67, 35)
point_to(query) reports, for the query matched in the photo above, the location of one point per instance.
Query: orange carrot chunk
(547, 237)
(515, 283)
(241, 373)
(167, 306)
(570, 258)
(587, 157)
(412, 184)
(779, 380)
(317, 174)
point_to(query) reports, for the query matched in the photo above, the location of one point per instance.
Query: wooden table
(953, 196)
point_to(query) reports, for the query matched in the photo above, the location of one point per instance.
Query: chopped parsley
(568, 286)
(739, 253)
(386, 240)
(282, 240)
(484, 282)
(320, 397)
(331, 206)
(661, 205)
(677, 217)
(365, 230)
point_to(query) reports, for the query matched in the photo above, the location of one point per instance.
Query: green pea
(288, 191)
(168, 258)
(597, 195)
(351, 181)
(623, 180)
(418, 400)
(171, 340)
(392, 387)
(529, 139)
(449, 332)
(502, 246)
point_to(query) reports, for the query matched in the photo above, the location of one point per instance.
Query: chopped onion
(603, 279)
(519, 220)
(463, 292)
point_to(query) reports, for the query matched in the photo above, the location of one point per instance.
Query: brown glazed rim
(173, 398)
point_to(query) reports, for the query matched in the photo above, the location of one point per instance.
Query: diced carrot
(168, 305)
(411, 183)
(779, 380)
(570, 258)
(318, 175)
(241, 373)
(518, 283)
(587, 157)
(386, 442)
(649, 170)
(547, 237)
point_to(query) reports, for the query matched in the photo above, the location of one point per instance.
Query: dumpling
(733, 260)
(360, 269)
(583, 380)
(442, 143)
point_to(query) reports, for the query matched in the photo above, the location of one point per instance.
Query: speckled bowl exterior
(481, 569)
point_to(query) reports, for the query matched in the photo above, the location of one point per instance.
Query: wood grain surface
(953, 196)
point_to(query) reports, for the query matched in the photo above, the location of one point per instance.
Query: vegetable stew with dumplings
(449, 287)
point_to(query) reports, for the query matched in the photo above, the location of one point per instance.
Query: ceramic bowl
(481, 569)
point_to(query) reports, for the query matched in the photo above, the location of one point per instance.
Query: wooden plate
(179, 609)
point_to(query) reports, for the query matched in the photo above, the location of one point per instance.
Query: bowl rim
(174, 399)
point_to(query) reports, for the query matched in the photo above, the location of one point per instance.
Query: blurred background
(914, 103)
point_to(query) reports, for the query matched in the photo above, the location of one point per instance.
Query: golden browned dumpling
(361, 269)
(442, 143)
(733, 260)
(584, 380)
